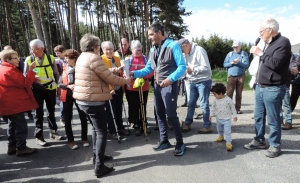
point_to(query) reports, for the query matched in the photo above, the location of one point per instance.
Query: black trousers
(97, 116)
(17, 131)
(49, 96)
(135, 104)
(294, 95)
(68, 116)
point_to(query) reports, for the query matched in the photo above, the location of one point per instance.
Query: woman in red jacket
(66, 83)
(16, 97)
(138, 61)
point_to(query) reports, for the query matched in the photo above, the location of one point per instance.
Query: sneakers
(205, 130)
(124, 132)
(11, 150)
(73, 146)
(41, 141)
(103, 170)
(185, 127)
(62, 122)
(273, 151)
(55, 135)
(286, 126)
(85, 143)
(220, 138)
(239, 112)
(25, 151)
(228, 147)
(162, 145)
(255, 145)
(112, 136)
(179, 149)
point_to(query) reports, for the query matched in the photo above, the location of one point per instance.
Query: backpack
(130, 60)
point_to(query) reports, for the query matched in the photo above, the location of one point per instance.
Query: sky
(239, 20)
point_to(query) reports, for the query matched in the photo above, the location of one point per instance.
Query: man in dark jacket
(270, 90)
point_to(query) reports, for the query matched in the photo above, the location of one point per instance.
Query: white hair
(135, 44)
(270, 23)
(37, 42)
(107, 44)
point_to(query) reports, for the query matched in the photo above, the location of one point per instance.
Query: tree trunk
(72, 24)
(22, 23)
(118, 7)
(44, 29)
(7, 18)
(49, 25)
(146, 25)
(60, 27)
(36, 22)
(128, 24)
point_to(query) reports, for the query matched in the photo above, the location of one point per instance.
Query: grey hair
(88, 42)
(135, 44)
(270, 23)
(106, 44)
(37, 42)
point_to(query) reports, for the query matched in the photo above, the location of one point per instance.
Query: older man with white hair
(272, 77)
(45, 90)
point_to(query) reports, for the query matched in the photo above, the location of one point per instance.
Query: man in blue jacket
(166, 59)
(237, 62)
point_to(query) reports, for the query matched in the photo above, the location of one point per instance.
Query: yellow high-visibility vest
(45, 72)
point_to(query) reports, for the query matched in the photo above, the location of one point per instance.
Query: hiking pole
(143, 111)
(112, 113)
(126, 116)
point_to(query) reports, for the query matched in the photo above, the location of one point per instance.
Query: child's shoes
(220, 138)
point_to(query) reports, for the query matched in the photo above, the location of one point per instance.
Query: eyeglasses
(261, 32)
(35, 49)
(138, 50)
(234, 46)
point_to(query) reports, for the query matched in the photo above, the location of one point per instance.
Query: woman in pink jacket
(138, 61)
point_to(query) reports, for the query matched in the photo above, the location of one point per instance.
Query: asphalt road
(135, 161)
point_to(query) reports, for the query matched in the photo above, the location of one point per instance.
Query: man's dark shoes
(103, 170)
(162, 145)
(286, 126)
(11, 150)
(25, 151)
(105, 158)
(184, 104)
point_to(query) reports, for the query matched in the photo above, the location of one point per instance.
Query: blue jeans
(224, 128)
(287, 109)
(268, 102)
(199, 90)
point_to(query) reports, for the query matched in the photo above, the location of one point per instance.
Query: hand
(131, 73)
(128, 81)
(119, 69)
(165, 83)
(112, 92)
(71, 87)
(32, 66)
(37, 79)
(256, 50)
(235, 61)
(210, 118)
(234, 119)
(294, 70)
(189, 69)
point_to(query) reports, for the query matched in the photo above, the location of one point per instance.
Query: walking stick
(126, 117)
(143, 110)
(112, 113)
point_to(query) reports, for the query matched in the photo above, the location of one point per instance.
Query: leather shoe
(11, 150)
(286, 126)
(25, 151)
(103, 170)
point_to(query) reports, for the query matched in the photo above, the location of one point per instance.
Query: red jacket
(137, 64)
(15, 90)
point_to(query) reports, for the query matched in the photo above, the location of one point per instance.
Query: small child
(223, 108)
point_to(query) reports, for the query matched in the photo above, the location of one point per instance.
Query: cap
(236, 43)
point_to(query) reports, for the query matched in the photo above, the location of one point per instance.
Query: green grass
(220, 76)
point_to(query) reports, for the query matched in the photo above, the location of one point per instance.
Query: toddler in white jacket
(224, 109)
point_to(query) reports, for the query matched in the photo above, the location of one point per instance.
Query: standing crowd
(96, 84)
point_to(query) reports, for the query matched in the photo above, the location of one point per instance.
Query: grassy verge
(220, 76)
